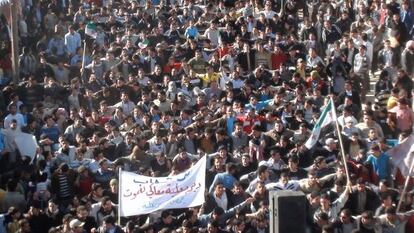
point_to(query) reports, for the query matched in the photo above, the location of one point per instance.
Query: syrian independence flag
(402, 155)
(90, 30)
(327, 117)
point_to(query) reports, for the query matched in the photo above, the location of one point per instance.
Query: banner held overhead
(143, 194)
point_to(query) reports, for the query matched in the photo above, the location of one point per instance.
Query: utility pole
(14, 8)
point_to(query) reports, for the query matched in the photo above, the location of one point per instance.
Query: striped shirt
(64, 189)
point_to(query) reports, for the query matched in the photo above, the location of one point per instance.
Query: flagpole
(405, 185)
(221, 63)
(119, 195)
(14, 39)
(83, 61)
(254, 8)
(340, 141)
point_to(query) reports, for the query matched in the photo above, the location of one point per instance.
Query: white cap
(75, 223)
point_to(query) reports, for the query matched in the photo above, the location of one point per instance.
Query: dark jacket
(355, 98)
(371, 201)
(209, 205)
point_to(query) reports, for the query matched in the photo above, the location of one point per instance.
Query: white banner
(142, 194)
(27, 144)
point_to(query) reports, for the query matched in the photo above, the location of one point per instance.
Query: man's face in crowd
(223, 153)
(107, 206)
(211, 229)
(345, 219)
(161, 97)
(324, 202)
(332, 146)
(239, 129)
(361, 187)
(13, 125)
(366, 220)
(261, 188)
(64, 144)
(168, 220)
(82, 214)
(124, 97)
(218, 162)
(278, 127)
(105, 166)
(52, 207)
(313, 179)
(362, 51)
(219, 190)
(34, 211)
(396, 17)
(292, 165)
(13, 109)
(315, 201)
(284, 179)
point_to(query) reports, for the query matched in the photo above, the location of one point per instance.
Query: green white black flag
(328, 116)
(90, 30)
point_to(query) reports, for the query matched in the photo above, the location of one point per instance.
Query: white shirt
(72, 42)
(156, 148)
(213, 35)
(18, 117)
(362, 63)
(127, 107)
(221, 201)
(313, 61)
(268, 14)
(370, 49)
(94, 166)
(275, 165)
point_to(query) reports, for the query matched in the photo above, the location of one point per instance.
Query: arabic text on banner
(143, 194)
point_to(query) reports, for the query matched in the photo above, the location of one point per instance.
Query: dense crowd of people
(151, 86)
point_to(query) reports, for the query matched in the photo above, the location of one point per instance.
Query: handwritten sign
(143, 194)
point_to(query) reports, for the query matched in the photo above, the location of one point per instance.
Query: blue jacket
(1, 142)
(226, 178)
